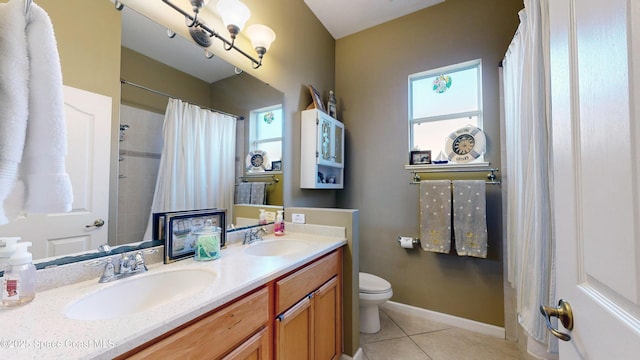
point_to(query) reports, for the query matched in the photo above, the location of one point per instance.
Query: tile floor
(405, 338)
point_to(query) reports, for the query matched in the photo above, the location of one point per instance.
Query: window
(266, 132)
(442, 101)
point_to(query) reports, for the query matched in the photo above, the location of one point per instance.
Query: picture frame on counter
(178, 230)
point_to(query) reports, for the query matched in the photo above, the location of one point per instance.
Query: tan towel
(435, 215)
(470, 218)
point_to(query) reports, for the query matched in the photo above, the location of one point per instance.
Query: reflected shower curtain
(527, 173)
(197, 165)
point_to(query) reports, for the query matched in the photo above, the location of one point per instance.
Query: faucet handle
(109, 271)
(139, 261)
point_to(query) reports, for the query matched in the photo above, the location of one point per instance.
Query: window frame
(253, 143)
(476, 63)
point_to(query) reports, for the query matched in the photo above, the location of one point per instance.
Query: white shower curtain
(197, 165)
(527, 173)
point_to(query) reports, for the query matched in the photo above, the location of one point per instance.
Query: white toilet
(373, 292)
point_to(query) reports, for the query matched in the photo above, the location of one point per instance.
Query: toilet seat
(371, 284)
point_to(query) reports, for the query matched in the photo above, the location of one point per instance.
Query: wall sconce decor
(234, 15)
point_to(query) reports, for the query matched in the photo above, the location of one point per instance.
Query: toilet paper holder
(414, 241)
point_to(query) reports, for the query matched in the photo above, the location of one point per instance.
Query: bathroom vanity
(253, 297)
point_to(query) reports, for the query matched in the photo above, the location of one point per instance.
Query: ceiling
(340, 17)
(346, 17)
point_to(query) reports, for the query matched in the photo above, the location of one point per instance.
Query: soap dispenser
(278, 227)
(262, 219)
(19, 283)
(6, 251)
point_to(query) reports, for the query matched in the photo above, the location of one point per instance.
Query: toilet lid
(371, 284)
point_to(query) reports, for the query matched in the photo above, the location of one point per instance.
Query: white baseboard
(459, 322)
(357, 356)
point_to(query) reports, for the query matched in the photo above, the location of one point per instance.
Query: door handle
(97, 223)
(563, 313)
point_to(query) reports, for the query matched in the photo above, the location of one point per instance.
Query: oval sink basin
(275, 247)
(139, 293)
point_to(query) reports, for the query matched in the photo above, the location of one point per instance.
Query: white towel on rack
(14, 74)
(258, 193)
(47, 184)
(435, 215)
(243, 193)
(470, 217)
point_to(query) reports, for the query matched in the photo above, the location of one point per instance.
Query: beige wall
(372, 69)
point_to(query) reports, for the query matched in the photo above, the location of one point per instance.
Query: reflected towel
(470, 218)
(47, 184)
(258, 193)
(243, 193)
(435, 215)
(14, 70)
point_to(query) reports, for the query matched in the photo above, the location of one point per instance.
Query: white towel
(243, 193)
(258, 193)
(14, 69)
(470, 217)
(48, 186)
(435, 215)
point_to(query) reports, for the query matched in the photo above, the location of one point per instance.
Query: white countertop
(40, 330)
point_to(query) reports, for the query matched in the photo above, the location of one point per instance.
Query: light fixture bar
(228, 44)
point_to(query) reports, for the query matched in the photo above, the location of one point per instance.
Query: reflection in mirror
(228, 90)
(139, 141)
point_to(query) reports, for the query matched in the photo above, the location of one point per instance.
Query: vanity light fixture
(234, 15)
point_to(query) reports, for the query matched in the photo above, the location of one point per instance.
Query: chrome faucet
(130, 264)
(251, 236)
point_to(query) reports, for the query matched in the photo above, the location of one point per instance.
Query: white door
(595, 100)
(88, 117)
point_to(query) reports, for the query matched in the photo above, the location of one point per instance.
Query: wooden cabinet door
(256, 348)
(328, 324)
(212, 336)
(294, 332)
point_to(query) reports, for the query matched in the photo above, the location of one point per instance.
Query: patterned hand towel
(435, 215)
(243, 193)
(258, 191)
(470, 218)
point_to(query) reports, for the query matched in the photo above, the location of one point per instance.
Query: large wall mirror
(258, 166)
(178, 67)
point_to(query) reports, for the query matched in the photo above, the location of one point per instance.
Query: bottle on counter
(19, 282)
(278, 226)
(262, 218)
(207, 242)
(7, 248)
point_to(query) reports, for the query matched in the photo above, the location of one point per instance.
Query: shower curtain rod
(125, 82)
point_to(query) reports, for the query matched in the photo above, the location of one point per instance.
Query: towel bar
(493, 180)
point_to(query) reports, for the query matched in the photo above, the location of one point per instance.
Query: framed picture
(317, 99)
(420, 157)
(178, 230)
(276, 165)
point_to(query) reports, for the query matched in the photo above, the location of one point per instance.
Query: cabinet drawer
(215, 334)
(294, 287)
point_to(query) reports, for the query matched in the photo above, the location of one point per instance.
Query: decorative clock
(465, 144)
(256, 160)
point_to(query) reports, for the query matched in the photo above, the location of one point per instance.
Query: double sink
(145, 291)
